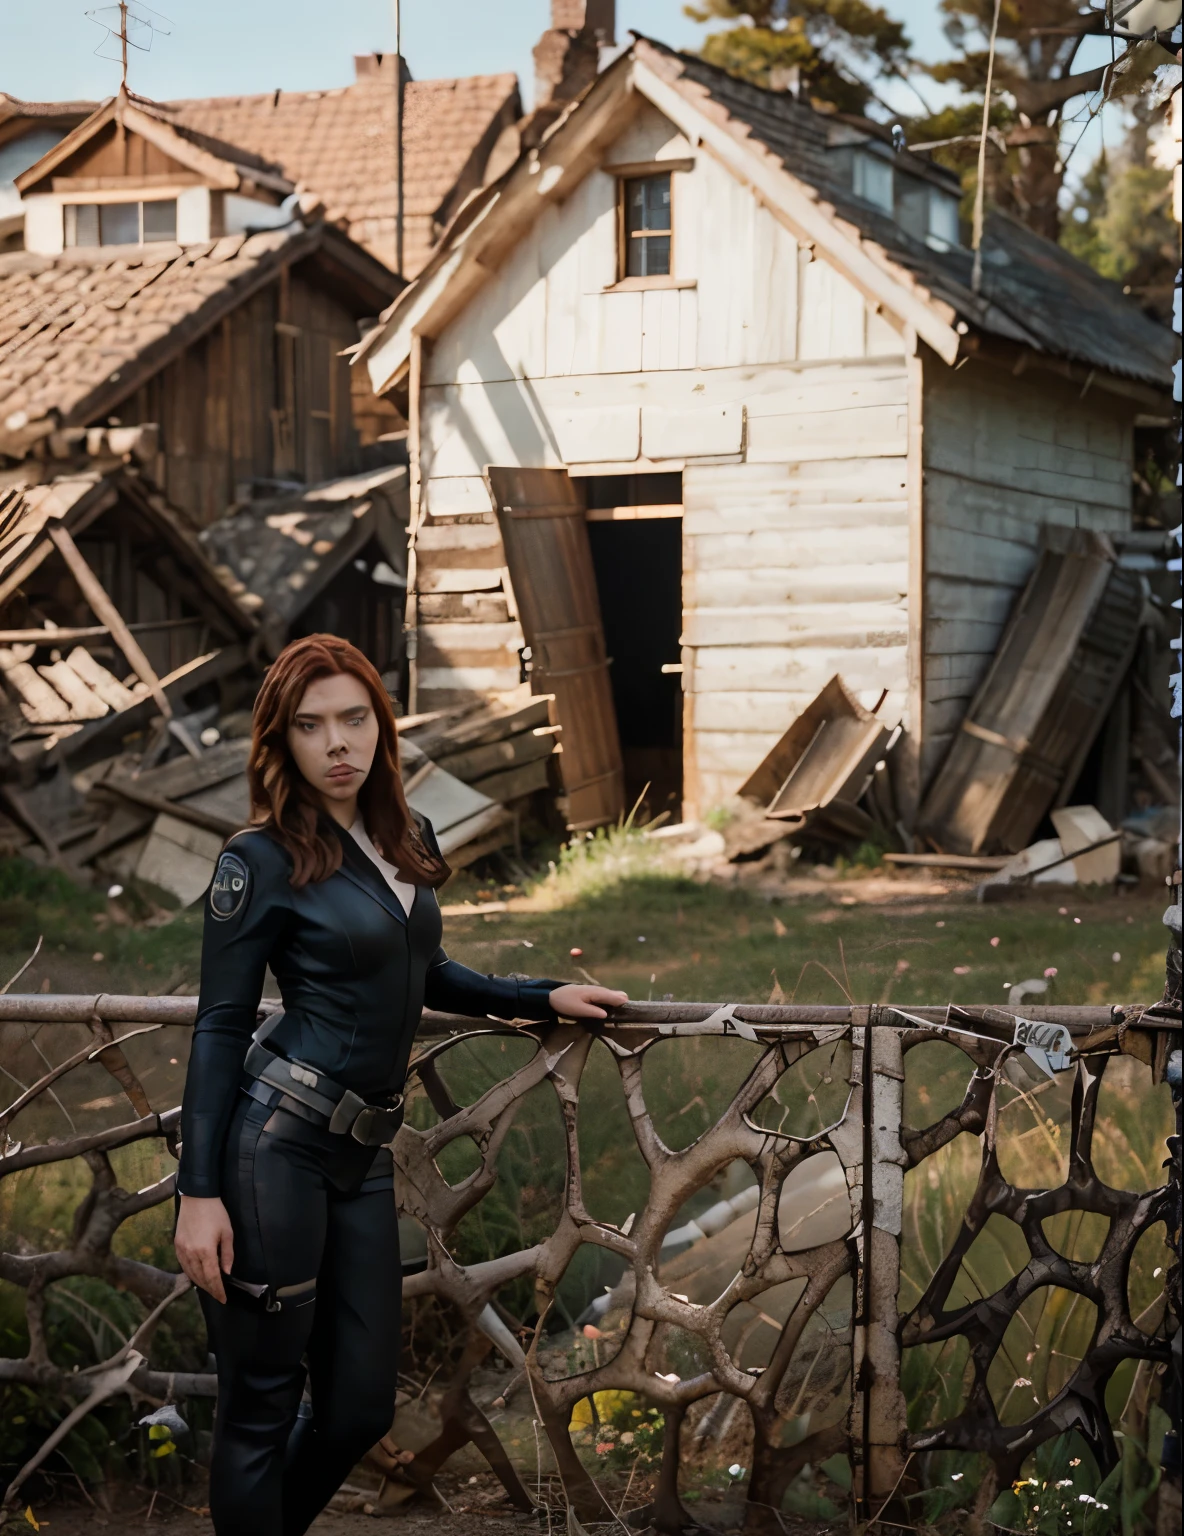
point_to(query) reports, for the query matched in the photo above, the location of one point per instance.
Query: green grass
(644, 926)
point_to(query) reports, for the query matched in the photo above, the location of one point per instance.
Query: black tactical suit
(313, 1211)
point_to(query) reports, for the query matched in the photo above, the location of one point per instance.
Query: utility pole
(123, 38)
(398, 140)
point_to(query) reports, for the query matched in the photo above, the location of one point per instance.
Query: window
(943, 218)
(121, 223)
(646, 226)
(873, 181)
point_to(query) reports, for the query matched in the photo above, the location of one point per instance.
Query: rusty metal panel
(541, 516)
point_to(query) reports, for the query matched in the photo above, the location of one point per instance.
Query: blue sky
(220, 47)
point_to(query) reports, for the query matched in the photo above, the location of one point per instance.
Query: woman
(286, 1214)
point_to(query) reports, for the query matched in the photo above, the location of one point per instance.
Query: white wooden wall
(765, 377)
(1002, 455)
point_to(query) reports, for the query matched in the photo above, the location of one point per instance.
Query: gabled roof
(1032, 292)
(80, 331)
(340, 144)
(275, 556)
(226, 165)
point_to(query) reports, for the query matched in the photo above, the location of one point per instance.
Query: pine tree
(1034, 85)
(829, 50)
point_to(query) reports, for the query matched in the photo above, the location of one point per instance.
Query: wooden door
(546, 541)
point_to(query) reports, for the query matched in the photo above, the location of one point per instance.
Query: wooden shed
(725, 357)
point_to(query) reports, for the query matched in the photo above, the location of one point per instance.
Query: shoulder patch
(228, 893)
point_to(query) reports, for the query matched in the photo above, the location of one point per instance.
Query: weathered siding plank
(1003, 456)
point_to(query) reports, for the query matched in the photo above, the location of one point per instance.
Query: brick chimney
(367, 65)
(567, 55)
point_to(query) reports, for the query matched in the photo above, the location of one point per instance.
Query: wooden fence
(871, 1141)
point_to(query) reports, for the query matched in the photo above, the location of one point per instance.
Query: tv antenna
(127, 25)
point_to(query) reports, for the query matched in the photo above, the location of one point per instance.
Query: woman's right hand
(205, 1243)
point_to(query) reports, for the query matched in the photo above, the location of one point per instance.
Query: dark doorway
(638, 565)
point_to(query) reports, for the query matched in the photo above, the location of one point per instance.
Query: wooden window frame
(639, 171)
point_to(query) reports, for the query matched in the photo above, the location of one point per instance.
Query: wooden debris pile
(476, 769)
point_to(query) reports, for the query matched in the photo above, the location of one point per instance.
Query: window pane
(647, 204)
(120, 223)
(82, 224)
(160, 220)
(648, 256)
(912, 205)
(943, 217)
(873, 180)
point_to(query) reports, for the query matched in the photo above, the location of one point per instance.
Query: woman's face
(334, 735)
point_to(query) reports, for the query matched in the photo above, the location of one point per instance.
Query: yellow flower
(607, 1403)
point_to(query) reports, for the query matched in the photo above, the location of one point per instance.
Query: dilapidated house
(706, 407)
(171, 352)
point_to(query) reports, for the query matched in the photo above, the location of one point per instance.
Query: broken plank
(125, 822)
(40, 703)
(108, 687)
(95, 741)
(984, 862)
(434, 536)
(514, 783)
(84, 703)
(95, 594)
(497, 721)
(481, 607)
(185, 776)
(523, 747)
(466, 579)
(197, 818)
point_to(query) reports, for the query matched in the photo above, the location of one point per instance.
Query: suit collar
(359, 869)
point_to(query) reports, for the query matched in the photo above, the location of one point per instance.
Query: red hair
(282, 801)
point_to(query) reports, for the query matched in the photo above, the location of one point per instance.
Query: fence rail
(859, 1410)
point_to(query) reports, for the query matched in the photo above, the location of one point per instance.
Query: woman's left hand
(575, 1002)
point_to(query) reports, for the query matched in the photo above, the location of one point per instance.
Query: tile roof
(1032, 290)
(274, 556)
(340, 144)
(73, 327)
(13, 107)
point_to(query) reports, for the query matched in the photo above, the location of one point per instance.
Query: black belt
(312, 1096)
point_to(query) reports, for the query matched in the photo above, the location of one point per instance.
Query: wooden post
(104, 609)
(398, 140)
(415, 496)
(869, 1147)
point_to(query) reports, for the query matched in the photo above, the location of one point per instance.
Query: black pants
(302, 1203)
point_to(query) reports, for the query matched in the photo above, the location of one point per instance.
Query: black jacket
(354, 971)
